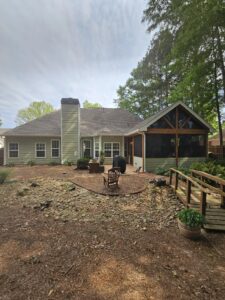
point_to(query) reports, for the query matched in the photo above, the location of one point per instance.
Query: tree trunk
(220, 59)
(218, 109)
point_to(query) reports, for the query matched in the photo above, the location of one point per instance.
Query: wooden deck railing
(213, 183)
(189, 183)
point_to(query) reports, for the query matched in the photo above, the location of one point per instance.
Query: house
(2, 131)
(174, 136)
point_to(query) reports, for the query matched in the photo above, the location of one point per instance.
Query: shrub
(191, 217)
(10, 165)
(31, 163)
(161, 171)
(4, 174)
(102, 158)
(82, 163)
(67, 163)
(210, 167)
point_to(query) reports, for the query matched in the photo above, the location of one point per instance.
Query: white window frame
(13, 150)
(88, 140)
(55, 140)
(111, 148)
(40, 150)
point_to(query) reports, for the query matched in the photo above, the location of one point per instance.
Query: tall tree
(35, 110)
(187, 69)
(87, 104)
(147, 89)
(0, 122)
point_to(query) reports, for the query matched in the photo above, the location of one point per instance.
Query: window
(13, 150)
(192, 145)
(138, 146)
(87, 148)
(96, 149)
(40, 150)
(160, 145)
(55, 148)
(111, 149)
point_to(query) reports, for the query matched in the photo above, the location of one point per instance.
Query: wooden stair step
(214, 227)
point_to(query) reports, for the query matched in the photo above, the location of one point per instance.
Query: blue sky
(51, 49)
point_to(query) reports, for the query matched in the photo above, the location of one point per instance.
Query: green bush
(31, 163)
(191, 217)
(82, 163)
(209, 167)
(67, 163)
(4, 174)
(161, 171)
(10, 165)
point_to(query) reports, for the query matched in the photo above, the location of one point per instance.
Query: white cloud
(59, 48)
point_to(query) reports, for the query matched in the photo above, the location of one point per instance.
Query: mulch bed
(128, 184)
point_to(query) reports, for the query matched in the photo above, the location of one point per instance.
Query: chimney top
(70, 101)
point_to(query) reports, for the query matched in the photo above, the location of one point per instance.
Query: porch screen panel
(192, 145)
(160, 145)
(138, 146)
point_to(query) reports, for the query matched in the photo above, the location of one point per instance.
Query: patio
(129, 183)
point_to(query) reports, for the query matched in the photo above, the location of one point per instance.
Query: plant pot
(192, 233)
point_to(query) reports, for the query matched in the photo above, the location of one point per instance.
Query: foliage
(31, 163)
(210, 167)
(82, 163)
(87, 104)
(67, 163)
(35, 110)
(4, 174)
(185, 60)
(10, 165)
(191, 217)
(0, 122)
(102, 158)
(161, 171)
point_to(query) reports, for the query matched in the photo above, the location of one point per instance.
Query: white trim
(40, 150)
(58, 140)
(94, 147)
(100, 145)
(111, 148)
(13, 150)
(5, 151)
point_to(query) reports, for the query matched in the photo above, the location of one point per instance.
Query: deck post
(203, 203)
(176, 181)
(222, 187)
(171, 176)
(188, 196)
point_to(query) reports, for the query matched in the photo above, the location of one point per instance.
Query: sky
(50, 49)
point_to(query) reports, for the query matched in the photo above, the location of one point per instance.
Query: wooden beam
(143, 152)
(168, 122)
(176, 131)
(177, 140)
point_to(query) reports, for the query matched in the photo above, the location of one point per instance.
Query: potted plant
(102, 158)
(190, 222)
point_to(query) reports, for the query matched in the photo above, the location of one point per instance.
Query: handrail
(209, 176)
(202, 189)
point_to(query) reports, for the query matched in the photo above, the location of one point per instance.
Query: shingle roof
(3, 130)
(98, 121)
(94, 122)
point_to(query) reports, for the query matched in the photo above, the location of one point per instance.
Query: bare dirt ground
(60, 241)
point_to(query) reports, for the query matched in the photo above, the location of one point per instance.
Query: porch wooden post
(177, 142)
(133, 150)
(143, 152)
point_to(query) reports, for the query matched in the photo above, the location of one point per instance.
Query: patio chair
(111, 181)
